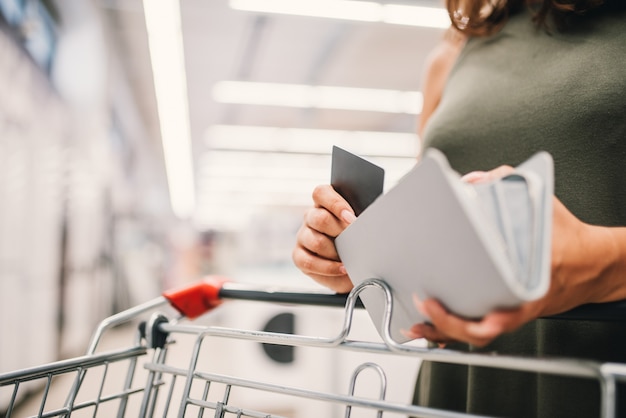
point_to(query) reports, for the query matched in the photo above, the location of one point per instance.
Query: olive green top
(507, 97)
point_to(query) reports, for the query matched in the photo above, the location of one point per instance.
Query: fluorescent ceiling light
(165, 41)
(262, 186)
(335, 9)
(324, 97)
(219, 167)
(364, 11)
(232, 184)
(416, 16)
(311, 141)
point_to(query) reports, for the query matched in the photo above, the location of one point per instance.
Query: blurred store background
(144, 144)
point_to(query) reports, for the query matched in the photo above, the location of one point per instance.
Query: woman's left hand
(582, 254)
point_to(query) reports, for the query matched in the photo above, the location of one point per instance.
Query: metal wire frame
(78, 365)
(607, 374)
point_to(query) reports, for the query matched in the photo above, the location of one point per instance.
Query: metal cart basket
(142, 380)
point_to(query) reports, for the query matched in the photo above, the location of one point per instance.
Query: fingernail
(480, 329)
(419, 305)
(474, 328)
(474, 176)
(342, 270)
(413, 334)
(348, 216)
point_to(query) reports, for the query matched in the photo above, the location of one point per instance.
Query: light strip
(364, 11)
(233, 184)
(316, 141)
(163, 24)
(325, 97)
(222, 166)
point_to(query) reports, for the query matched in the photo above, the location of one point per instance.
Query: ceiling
(240, 174)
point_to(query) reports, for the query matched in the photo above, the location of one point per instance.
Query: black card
(357, 180)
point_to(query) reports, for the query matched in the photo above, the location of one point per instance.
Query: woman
(537, 75)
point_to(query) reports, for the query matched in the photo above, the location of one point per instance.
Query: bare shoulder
(437, 67)
(443, 56)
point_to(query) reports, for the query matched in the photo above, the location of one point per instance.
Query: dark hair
(485, 17)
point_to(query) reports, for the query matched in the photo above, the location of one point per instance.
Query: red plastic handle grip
(198, 298)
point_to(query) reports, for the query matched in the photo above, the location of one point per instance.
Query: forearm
(612, 256)
(588, 263)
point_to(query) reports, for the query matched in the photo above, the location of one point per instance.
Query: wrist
(609, 258)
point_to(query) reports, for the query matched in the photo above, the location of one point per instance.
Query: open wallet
(474, 247)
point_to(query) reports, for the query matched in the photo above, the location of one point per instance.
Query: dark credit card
(357, 180)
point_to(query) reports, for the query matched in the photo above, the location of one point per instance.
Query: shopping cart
(140, 380)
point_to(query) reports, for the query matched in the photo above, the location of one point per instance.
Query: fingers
(445, 326)
(327, 272)
(331, 214)
(324, 222)
(325, 196)
(316, 242)
(315, 253)
(485, 176)
(453, 327)
(339, 284)
(428, 332)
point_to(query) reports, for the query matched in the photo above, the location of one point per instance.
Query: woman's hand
(315, 252)
(585, 269)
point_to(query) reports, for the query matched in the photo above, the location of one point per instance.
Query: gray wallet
(474, 247)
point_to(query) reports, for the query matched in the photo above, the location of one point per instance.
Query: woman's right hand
(315, 253)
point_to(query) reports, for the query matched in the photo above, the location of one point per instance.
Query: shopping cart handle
(198, 298)
(291, 298)
(203, 296)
